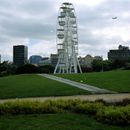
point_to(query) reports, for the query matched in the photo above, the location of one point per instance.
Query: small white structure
(67, 40)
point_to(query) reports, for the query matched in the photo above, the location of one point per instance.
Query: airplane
(114, 17)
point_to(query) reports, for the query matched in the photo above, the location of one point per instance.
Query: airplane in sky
(114, 17)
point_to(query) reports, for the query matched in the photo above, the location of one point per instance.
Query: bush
(114, 115)
(127, 66)
(46, 69)
(7, 68)
(89, 107)
(28, 68)
(117, 115)
(19, 107)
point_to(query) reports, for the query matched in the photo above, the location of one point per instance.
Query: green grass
(32, 85)
(64, 121)
(113, 80)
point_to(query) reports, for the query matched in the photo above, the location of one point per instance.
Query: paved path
(89, 88)
(106, 97)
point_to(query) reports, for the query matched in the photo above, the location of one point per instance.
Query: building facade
(35, 59)
(20, 55)
(87, 60)
(122, 54)
(54, 59)
(45, 61)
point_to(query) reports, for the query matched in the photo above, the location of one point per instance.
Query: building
(87, 60)
(35, 59)
(44, 61)
(54, 59)
(122, 54)
(20, 55)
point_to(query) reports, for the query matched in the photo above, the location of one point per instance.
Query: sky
(33, 23)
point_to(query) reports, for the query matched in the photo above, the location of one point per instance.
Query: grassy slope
(62, 121)
(34, 85)
(112, 80)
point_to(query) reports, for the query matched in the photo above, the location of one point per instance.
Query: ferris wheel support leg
(70, 69)
(75, 63)
(55, 70)
(80, 70)
(56, 67)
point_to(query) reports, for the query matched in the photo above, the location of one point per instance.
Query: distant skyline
(33, 23)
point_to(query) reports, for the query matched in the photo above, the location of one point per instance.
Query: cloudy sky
(33, 23)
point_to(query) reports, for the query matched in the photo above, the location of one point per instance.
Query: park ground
(26, 86)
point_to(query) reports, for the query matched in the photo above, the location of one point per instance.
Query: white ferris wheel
(67, 40)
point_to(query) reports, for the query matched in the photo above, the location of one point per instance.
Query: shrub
(106, 113)
(50, 106)
(19, 107)
(89, 107)
(27, 68)
(114, 115)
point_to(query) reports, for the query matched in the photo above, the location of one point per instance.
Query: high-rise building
(20, 55)
(122, 54)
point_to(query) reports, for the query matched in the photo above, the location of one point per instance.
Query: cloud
(33, 23)
(42, 47)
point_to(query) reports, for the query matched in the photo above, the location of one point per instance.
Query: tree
(7, 68)
(86, 69)
(118, 64)
(46, 69)
(28, 68)
(97, 65)
(107, 65)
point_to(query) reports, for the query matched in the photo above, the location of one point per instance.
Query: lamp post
(0, 58)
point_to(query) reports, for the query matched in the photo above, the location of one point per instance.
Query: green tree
(97, 65)
(28, 68)
(7, 68)
(46, 69)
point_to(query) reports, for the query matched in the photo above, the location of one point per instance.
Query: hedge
(103, 112)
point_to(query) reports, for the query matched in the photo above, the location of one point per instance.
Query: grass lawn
(64, 121)
(113, 80)
(34, 86)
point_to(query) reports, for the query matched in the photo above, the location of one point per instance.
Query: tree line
(7, 68)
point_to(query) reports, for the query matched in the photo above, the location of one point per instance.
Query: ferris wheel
(67, 40)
